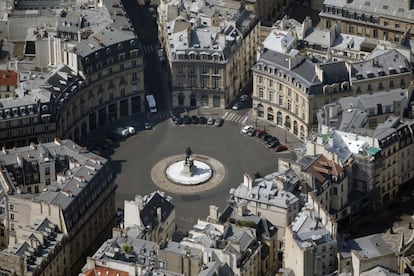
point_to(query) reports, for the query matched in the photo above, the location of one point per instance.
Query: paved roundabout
(160, 178)
(140, 161)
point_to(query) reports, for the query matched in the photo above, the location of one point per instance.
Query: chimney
(241, 210)
(248, 181)
(19, 160)
(139, 201)
(159, 214)
(213, 213)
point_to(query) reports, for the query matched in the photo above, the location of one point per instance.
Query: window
(270, 83)
(289, 104)
(261, 92)
(192, 69)
(11, 206)
(216, 82)
(204, 68)
(180, 69)
(192, 81)
(204, 80)
(12, 216)
(260, 80)
(281, 100)
(47, 170)
(216, 70)
(271, 96)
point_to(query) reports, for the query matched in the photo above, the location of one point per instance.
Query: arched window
(279, 118)
(295, 128)
(287, 122)
(260, 111)
(270, 116)
(302, 133)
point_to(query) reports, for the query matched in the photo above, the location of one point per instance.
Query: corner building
(210, 47)
(103, 79)
(59, 207)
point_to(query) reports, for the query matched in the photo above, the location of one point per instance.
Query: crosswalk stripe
(245, 119)
(225, 114)
(238, 117)
(231, 116)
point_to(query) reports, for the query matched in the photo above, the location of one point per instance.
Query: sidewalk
(290, 140)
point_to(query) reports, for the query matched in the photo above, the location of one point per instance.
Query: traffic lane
(142, 21)
(136, 156)
(154, 79)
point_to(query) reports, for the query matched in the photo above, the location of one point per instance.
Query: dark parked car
(250, 133)
(203, 120)
(178, 121)
(210, 121)
(186, 120)
(194, 119)
(259, 133)
(280, 148)
(218, 122)
(174, 117)
(270, 138)
(273, 143)
(265, 136)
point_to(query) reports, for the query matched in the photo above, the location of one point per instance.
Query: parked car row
(195, 120)
(125, 131)
(269, 140)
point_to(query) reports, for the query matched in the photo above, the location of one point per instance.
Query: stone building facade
(210, 49)
(59, 210)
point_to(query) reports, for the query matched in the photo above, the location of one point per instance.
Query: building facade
(311, 241)
(388, 20)
(289, 89)
(210, 49)
(152, 216)
(60, 205)
(274, 197)
(95, 75)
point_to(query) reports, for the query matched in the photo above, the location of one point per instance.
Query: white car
(131, 130)
(247, 128)
(124, 132)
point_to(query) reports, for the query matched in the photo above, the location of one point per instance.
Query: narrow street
(155, 78)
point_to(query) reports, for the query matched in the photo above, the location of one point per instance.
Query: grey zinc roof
(109, 25)
(369, 247)
(387, 8)
(141, 251)
(186, 35)
(265, 190)
(334, 72)
(305, 71)
(379, 271)
(149, 211)
(238, 236)
(380, 62)
(61, 194)
(308, 232)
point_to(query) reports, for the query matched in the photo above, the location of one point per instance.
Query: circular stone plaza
(205, 173)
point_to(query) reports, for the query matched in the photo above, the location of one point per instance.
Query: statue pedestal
(188, 168)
